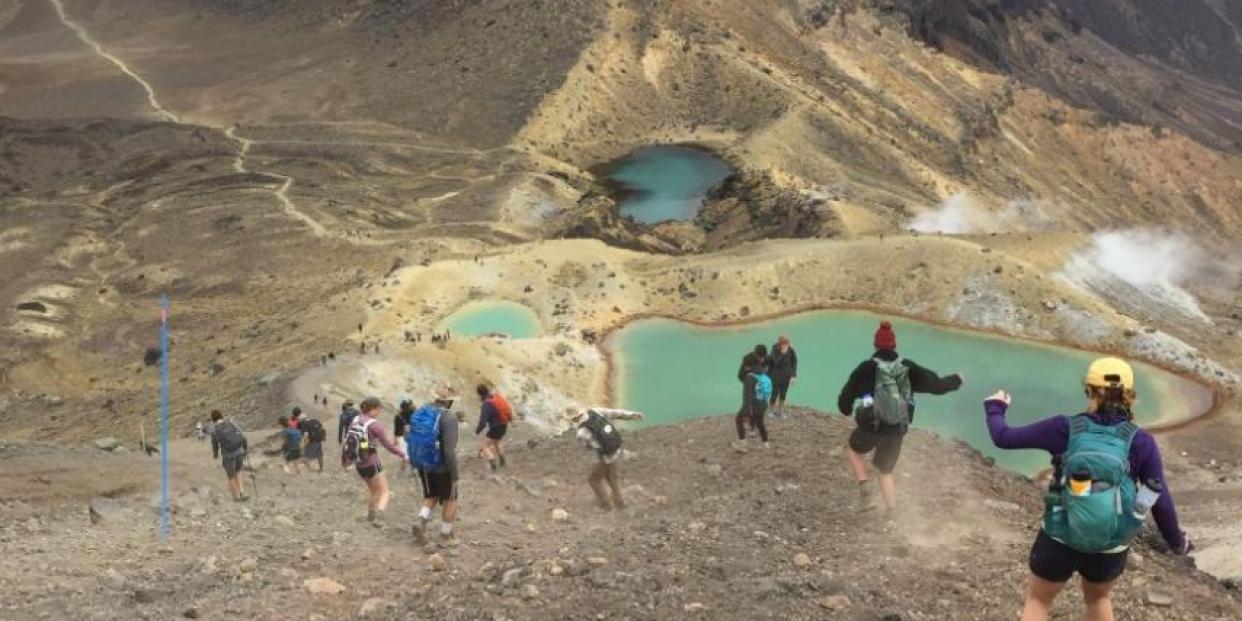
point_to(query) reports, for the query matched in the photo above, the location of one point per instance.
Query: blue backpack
(422, 441)
(1100, 518)
(763, 387)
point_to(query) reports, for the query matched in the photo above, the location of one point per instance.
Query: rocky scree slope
(709, 533)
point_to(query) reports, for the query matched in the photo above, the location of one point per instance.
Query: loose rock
(323, 586)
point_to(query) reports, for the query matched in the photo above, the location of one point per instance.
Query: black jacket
(782, 366)
(862, 381)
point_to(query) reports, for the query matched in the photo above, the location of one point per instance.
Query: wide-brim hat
(444, 392)
(575, 414)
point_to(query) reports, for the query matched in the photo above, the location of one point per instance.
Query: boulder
(834, 602)
(323, 586)
(801, 560)
(437, 562)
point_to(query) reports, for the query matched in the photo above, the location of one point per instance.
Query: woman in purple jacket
(1109, 387)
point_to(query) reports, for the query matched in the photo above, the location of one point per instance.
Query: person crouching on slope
(495, 413)
(432, 446)
(884, 386)
(1101, 461)
(596, 430)
(359, 449)
(756, 393)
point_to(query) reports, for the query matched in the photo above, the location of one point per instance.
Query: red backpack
(504, 411)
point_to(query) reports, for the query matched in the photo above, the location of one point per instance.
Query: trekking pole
(254, 481)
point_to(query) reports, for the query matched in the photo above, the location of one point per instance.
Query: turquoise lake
(672, 371)
(484, 318)
(662, 183)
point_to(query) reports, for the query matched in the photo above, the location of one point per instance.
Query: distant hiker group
(1107, 472)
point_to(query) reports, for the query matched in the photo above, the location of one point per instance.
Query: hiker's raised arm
(855, 387)
(1050, 434)
(618, 414)
(925, 380)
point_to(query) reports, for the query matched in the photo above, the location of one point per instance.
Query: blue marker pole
(164, 416)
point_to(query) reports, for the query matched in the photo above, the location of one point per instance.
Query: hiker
(431, 444)
(783, 369)
(359, 449)
(756, 393)
(291, 446)
(1101, 461)
(401, 423)
(348, 413)
(230, 445)
(495, 413)
(314, 434)
(200, 431)
(295, 417)
(884, 386)
(753, 358)
(596, 430)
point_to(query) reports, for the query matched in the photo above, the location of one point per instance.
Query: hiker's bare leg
(858, 465)
(596, 480)
(1040, 594)
(488, 452)
(380, 492)
(614, 483)
(1099, 600)
(450, 512)
(888, 490)
(235, 487)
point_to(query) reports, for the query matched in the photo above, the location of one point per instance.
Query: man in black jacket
(872, 434)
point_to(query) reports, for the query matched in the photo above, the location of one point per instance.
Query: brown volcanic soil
(707, 530)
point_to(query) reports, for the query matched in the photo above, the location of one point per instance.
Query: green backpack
(1102, 519)
(892, 393)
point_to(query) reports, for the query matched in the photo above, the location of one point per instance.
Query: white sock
(424, 513)
(446, 528)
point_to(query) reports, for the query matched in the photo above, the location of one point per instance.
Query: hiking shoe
(739, 446)
(449, 541)
(419, 530)
(766, 445)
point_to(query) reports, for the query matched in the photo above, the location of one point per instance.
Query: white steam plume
(1142, 269)
(959, 215)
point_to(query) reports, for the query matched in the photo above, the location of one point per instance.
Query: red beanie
(884, 337)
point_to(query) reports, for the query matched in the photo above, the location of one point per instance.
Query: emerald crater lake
(663, 183)
(673, 370)
(488, 318)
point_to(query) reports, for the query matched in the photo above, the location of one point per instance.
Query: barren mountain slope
(709, 533)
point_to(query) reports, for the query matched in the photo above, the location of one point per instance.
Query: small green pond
(663, 183)
(672, 370)
(487, 318)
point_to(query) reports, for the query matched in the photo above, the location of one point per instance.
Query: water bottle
(1148, 493)
(867, 401)
(1080, 483)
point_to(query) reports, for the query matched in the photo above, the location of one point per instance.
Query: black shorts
(498, 432)
(886, 442)
(780, 388)
(233, 465)
(314, 450)
(369, 472)
(1056, 562)
(438, 485)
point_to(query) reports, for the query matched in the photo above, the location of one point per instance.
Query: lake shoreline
(606, 342)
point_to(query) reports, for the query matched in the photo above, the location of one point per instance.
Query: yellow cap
(1110, 373)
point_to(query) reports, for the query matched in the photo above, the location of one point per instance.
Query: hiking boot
(449, 541)
(419, 530)
(766, 445)
(866, 497)
(739, 446)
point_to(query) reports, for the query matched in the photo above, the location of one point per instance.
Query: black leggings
(754, 414)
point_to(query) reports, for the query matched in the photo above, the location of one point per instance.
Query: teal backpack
(763, 387)
(1102, 519)
(892, 394)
